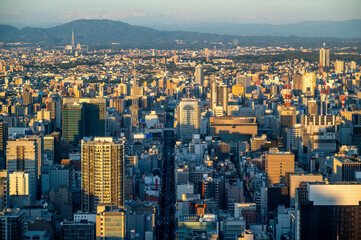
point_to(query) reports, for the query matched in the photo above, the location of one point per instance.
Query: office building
(344, 168)
(110, 223)
(294, 179)
(191, 226)
(12, 225)
(277, 165)
(188, 119)
(340, 67)
(102, 172)
(309, 83)
(312, 107)
(233, 128)
(82, 230)
(94, 115)
(329, 211)
(49, 149)
(73, 122)
(287, 116)
(22, 155)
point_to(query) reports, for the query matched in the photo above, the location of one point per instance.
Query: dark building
(12, 225)
(331, 211)
(82, 230)
(73, 122)
(277, 195)
(3, 140)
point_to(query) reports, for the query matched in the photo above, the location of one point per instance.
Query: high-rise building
(102, 172)
(12, 224)
(344, 168)
(199, 77)
(73, 122)
(54, 106)
(3, 140)
(245, 81)
(287, 116)
(188, 118)
(297, 84)
(339, 67)
(49, 149)
(94, 115)
(309, 83)
(277, 165)
(27, 98)
(22, 155)
(219, 97)
(324, 57)
(312, 107)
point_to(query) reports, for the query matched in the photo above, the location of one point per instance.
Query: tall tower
(102, 173)
(199, 76)
(324, 57)
(135, 106)
(72, 37)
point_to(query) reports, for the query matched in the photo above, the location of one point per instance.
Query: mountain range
(337, 29)
(116, 33)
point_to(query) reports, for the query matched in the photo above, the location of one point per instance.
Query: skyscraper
(309, 83)
(102, 172)
(188, 118)
(199, 77)
(324, 57)
(94, 115)
(3, 140)
(73, 122)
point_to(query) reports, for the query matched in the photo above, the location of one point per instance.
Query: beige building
(18, 183)
(277, 165)
(233, 128)
(294, 179)
(287, 116)
(102, 172)
(309, 83)
(110, 223)
(22, 155)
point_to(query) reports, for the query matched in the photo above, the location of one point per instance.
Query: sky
(147, 12)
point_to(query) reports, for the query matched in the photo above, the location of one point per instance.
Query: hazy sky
(48, 12)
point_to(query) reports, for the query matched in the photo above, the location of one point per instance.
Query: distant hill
(338, 29)
(120, 34)
(6, 29)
